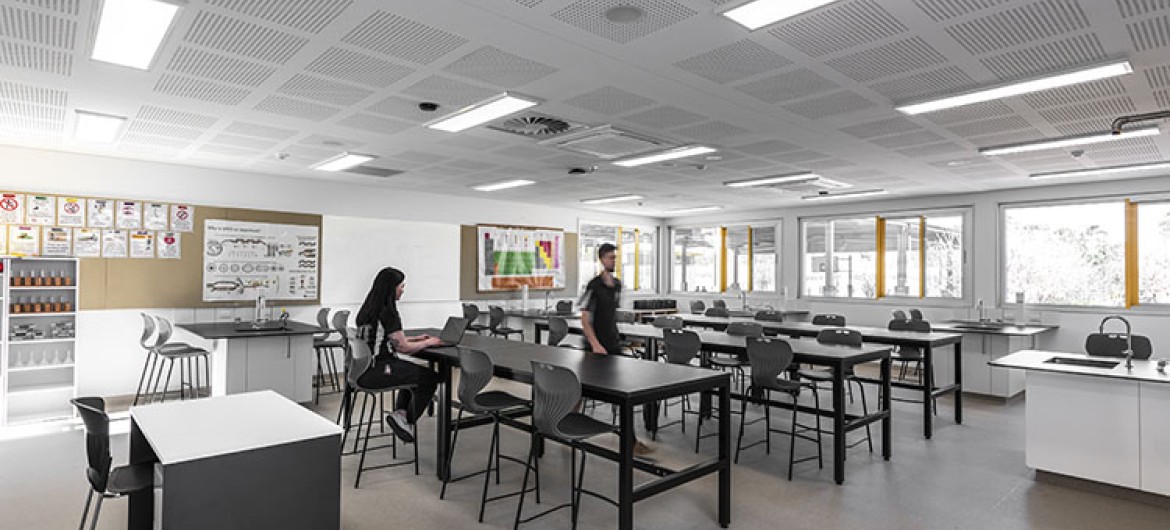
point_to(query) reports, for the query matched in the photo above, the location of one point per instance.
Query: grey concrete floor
(970, 476)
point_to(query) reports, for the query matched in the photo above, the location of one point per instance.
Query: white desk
(245, 360)
(254, 460)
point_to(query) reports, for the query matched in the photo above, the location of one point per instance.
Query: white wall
(983, 253)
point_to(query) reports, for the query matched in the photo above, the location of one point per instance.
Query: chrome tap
(546, 295)
(258, 311)
(980, 308)
(743, 300)
(1128, 338)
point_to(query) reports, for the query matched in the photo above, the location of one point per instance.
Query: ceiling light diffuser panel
(93, 127)
(612, 199)
(484, 112)
(1069, 141)
(130, 32)
(679, 152)
(504, 185)
(759, 13)
(1102, 171)
(795, 178)
(826, 196)
(342, 162)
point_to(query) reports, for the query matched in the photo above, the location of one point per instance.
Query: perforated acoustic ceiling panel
(590, 16)
(234, 35)
(348, 65)
(396, 36)
(787, 86)
(735, 61)
(497, 67)
(310, 16)
(609, 101)
(1033, 21)
(837, 27)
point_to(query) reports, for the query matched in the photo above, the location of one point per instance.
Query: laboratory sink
(1087, 363)
(970, 324)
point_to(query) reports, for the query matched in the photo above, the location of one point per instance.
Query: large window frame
(882, 290)
(640, 253)
(727, 269)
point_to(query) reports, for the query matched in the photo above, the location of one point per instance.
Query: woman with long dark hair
(381, 309)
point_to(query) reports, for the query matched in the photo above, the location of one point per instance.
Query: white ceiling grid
(240, 81)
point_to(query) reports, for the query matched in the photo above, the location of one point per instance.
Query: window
(840, 258)
(738, 253)
(903, 259)
(1066, 254)
(635, 255)
(695, 258)
(944, 256)
(764, 258)
(1153, 245)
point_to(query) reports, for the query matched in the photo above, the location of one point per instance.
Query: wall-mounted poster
(141, 244)
(170, 245)
(101, 213)
(114, 244)
(129, 215)
(155, 216)
(87, 243)
(71, 212)
(510, 258)
(58, 241)
(243, 260)
(182, 218)
(24, 240)
(41, 210)
(11, 208)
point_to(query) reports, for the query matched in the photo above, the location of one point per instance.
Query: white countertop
(1034, 360)
(181, 431)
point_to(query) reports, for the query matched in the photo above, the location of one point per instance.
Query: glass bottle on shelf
(57, 304)
(67, 305)
(68, 279)
(37, 307)
(27, 308)
(16, 307)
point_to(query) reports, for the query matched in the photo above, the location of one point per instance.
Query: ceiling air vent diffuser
(534, 125)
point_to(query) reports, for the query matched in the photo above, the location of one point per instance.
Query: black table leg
(141, 516)
(887, 422)
(959, 382)
(626, 467)
(725, 455)
(928, 392)
(650, 409)
(443, 423)
(839, 424)
(431, 405)
(536, 329)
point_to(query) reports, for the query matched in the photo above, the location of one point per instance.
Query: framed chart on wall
(511, 257)
(242, 260)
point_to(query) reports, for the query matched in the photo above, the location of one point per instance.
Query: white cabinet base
(1155, 437)
(284, 364)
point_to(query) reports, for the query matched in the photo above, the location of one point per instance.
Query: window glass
(695, 254)
(1068, 254)
(840, 258)
(902, 256)
(737, 257)
(764, 258)
(1154, 253)
(944, 256)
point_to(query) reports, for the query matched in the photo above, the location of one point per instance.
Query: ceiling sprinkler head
(428, 106)
(582, 170)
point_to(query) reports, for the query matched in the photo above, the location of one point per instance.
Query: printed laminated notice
(243, 260)
(141, 244)
(114, 244)
(41, 210)
(11, 208)
(101, 213)
(71, 212)
(24, 240)
(170, 245)
(58, 241)
(87, 243)
(3, 243)
(182, 218)
(155, 216)
(129, 215)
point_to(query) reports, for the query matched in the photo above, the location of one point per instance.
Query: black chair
(668, 322)
(558, 329)
(106, 482)
(770, 359)
(769, 315)
(898, 314)
(911, 354)
(682, 347)
(697, 307)
(564, 306)
(359, 359)
(846, 337)
(471, 314)
(720, 304)
(717, 312)
(325, 347)
(556, 390)
(829, 320)
(496, 319)
(167, 354)
(916, 314)
(475, 372)
(736, 363)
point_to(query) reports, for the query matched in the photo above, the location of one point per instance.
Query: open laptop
(452, 332)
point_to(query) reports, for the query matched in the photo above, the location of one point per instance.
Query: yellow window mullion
(1131, 254)
(723, 259)
(922, 256)
(637, 254)
(750, 285)
(881, 257)
(618, 258)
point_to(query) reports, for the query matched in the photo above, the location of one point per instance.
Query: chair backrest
(97, 440)
(681, 345)
(558, 329)
(668, 322)
(475, 372)
(496, 316)
(470, 312)
(323, 317)
(717, 312)
(769, 358)
(340, 321)
(829, 320)
(564, 306)
(148, 329)
(719, 303)
(626, 316)
(1113, 345)
(848, 337)
(769, 315)
(909, 325)
(745, 329)
(697, 307)
(165, 330)
(916, 314)
(358, 359)
(898, 314)
(555, 392)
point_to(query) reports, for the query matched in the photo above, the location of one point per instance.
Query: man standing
(599, 306)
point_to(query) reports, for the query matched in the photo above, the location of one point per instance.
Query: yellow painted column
(881, 257)
(637, 255)
(922, 256)
(1131, 254)
(617, 264)
(751, 259)
(723, 259)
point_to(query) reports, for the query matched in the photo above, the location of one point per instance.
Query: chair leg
(320, 380)
(167, 384)
(573, 485)
(97, 511)
(148, 362)
(742, 420)
(699, 430)
(865, 411)
(88, 501)
(580, 487)
(365, 443)
(820, 451)
(493, 446)
(792, 439)
(767, 422)
(361, 419)
(451, 453)
(524, 484)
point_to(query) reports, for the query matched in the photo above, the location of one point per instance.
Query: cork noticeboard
(469, 265)
(122, 283)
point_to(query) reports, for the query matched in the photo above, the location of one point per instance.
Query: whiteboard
(355, 249)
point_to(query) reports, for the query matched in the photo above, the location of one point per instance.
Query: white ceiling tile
(244, 142)
(356, 67)
(323, 90)
(35, 58)
(1053, 56)
(176, 117)
(590, 16)
(842, 102)
(887, 60)
(400, 37)
(1111, 107)
(1150, 34)
(767, 148)
(497, 67)
(454, 94)
(1028, 23)
(215, 67)
(374, 123)
(884, 127)
(664, 117)
(838, 27)
(296, 108)
(943, 10)
(233, 35)
(711, 131)
(992, 126)
(37, 28)
(609, 101)
(738, 60)
(260, 131)
(192, 88)
(65, 7)
(306, 15)
(787, 86)
(948, 79)
(907, 139)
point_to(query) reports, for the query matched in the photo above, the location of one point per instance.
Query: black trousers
(389, 370)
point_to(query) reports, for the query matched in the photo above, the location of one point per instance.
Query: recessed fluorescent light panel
(130, 31)
(1112, 170)
(342, 162)
(612, 199)
(678, 152)
(1069, 141)
(695, 209)
(794, 178)
(481, 113)
(1074, 77)
(759, 13)
(97, 128)
(825, 196)
(504, 185)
